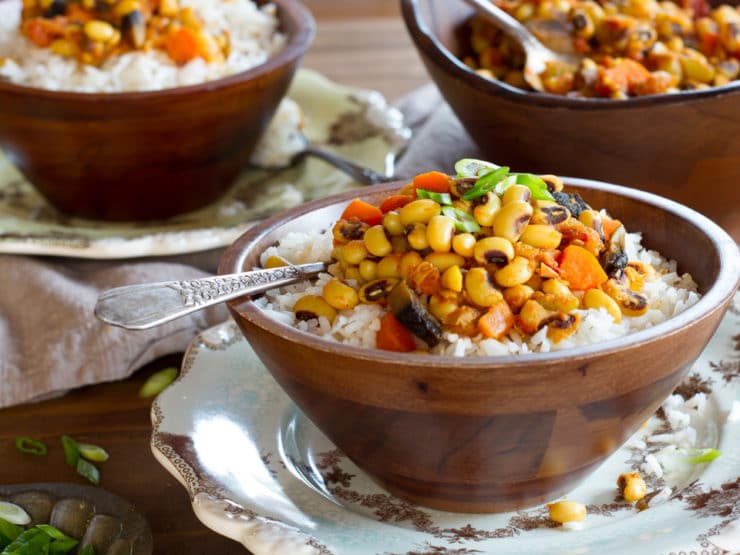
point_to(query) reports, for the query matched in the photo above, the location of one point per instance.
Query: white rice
(668, 295)
(252, 32)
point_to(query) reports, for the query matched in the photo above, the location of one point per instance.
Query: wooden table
(360, 43)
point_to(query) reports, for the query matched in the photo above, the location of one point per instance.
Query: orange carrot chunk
(363, 211)
(394, 336)
(581, 269)
(433, 181)
(609, 226)
(394, 202)
(497, 322)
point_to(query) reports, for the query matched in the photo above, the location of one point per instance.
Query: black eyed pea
(459, 187)
(452, 279)
(345, 231)
(440, 231)
(311, 307)
(445, 260)
(647, 271)
(354, 252)
(485, 211)
(553, 182)
(548, 212)
(275, 261)
(419, 211)
(556, 286)
(368, 269)
(400, 244)
(417, 236)
(516, 193)
(631, 486)
(517, 295)
(592, 219)
(562, 326)
(597, 299)
(353, 273)
(493, 250)
(376, 291)
(557, 302)
(479, 288)
(376, 241)
(389, 266)
(630, 303)
(516, 272)
(533, 316)
(168, 8)
(339, 295)
(409, 261)
(463, 244)
(566, 511)
(99, 31)
(392, 223)
(126, 6)
(64, 47)
(512, 219)
(542, 236)
(442, 305)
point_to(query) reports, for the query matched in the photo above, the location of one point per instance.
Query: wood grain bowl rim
(297, 45)
(430, 45)
(716, 297)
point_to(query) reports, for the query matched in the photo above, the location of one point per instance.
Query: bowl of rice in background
(470, 427)
(139, 135)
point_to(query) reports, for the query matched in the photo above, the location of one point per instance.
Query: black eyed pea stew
(630, 47)
(479, 254)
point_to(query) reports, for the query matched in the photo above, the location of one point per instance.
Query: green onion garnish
(703, 455)
(536, 185)
(30, 446)
(463, 221)
(89, 471)
(439, 198)
(41, 539)
(71, 451)
(8, 532)
(158, 382)
(93, 452)
(470, 167)
(14, 513)
(486, 183)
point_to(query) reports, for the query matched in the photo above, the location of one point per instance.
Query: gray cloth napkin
(50, 342)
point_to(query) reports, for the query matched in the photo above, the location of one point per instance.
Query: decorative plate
(356, 124)
(259, 472)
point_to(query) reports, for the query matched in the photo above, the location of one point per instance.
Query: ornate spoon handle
(139, 307)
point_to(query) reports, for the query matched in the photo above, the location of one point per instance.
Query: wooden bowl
(148, 155)
(498, 433)
(684, 146)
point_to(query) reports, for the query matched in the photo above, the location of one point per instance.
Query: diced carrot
(433, 181)
(182, 45)
(624, 76)
(497, 322)
(363, 211)
(394, 336)
(581, 269)
(609, 226)
(395, 201)
(38, 32)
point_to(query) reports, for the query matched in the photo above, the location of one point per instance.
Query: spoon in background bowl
(537, 54)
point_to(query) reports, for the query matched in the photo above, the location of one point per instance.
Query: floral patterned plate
(259, 472)
(356, 124)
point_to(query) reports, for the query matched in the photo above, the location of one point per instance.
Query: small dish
(357, 124)
(259, 472)
(89, 514)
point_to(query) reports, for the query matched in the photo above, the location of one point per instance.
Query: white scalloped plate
(356, 124)
(260, 473)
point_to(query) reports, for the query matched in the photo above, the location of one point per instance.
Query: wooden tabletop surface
(359, 42)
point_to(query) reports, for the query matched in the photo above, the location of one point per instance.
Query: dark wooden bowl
(683, 146)
(148, 155)
(499, 433)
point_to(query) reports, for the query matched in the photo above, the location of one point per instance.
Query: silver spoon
(140, 307)
(537, 54)
(361, 174)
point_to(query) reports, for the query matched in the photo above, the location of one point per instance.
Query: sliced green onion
(87, 550)
(470, 167)
(439, 198)
(699, 456)
(504, 184)
(486, 183)
(71, 451)
(29, 542)
(463, 221)
(93, 452)
(30, 446)
(89, 471)
(8, 532)
(535, 184)
(158, 382)
(15, 514)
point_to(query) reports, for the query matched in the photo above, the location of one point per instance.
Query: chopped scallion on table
(15, 514)
(71, 451)
(93, 452)
(699, 456)
(158, 382)
(30, 446)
